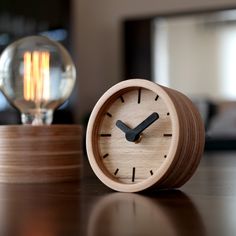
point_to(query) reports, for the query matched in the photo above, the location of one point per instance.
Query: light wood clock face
(132, 161)
(132, 136)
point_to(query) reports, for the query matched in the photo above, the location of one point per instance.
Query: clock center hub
(139, 139)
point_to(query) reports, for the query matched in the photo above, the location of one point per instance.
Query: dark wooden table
(206, 205)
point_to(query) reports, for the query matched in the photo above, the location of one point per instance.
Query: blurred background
(23, 18)
(187, 45)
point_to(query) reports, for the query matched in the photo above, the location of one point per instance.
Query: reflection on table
(204, 206)
(168, 213)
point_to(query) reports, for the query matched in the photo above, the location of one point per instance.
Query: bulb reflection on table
(38, 224)
(39, 210)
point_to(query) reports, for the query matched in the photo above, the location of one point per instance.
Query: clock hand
(134, 134)
(122, 126)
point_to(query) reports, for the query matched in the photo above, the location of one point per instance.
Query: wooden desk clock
(142, 135)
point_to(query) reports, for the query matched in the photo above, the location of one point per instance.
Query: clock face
(133, 135)
(134, 161)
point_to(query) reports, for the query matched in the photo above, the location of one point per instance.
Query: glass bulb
(36, 75)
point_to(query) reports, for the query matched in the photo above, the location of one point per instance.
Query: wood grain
(37, 154)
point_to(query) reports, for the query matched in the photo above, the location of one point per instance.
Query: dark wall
(25, 17)
(137, 48)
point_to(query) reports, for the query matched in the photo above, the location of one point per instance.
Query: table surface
(206, 205)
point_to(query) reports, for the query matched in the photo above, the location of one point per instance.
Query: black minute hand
(133, 134)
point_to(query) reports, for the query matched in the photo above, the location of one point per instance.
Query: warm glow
(36, 76)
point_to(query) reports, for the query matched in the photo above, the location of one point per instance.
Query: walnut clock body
(143, 135)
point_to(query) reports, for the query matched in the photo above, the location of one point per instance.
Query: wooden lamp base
(40, 154)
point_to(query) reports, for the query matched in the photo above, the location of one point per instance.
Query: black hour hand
(122, 126)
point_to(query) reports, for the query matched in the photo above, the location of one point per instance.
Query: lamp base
(40, 154)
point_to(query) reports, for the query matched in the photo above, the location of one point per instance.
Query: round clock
(143, 135)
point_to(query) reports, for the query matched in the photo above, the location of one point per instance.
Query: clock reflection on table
(134, 214)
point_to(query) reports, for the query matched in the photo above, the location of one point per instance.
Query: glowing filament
(36, 76)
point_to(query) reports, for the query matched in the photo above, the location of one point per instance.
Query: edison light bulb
(36, 75)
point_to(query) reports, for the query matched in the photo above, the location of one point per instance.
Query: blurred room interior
(187, 45)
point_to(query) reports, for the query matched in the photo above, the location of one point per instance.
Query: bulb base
(40, 154)
(37, 117)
